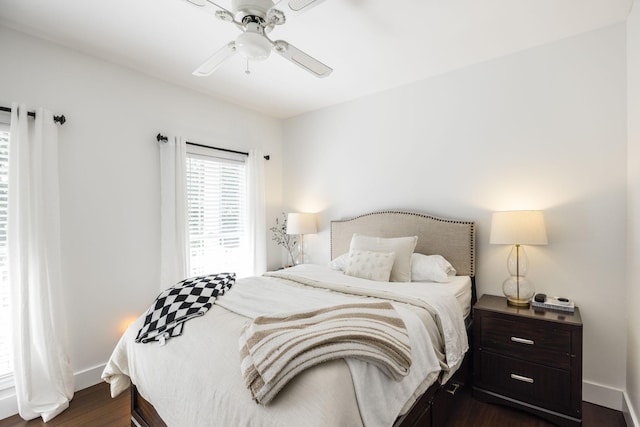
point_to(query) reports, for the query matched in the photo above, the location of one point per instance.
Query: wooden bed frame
(453, 239)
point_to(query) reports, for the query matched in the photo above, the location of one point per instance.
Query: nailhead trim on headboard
(470, 250)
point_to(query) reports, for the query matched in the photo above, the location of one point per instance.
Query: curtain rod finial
(161, 138)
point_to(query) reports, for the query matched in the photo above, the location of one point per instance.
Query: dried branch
(280, 236)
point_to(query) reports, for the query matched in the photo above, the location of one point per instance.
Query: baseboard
(630, 415)
(8, 403)
(602, 395)
(82, 380)
(88, 377)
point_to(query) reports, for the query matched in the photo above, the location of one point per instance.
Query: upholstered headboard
(453, 239)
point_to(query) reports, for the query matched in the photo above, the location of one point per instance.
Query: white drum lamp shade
(301, 223)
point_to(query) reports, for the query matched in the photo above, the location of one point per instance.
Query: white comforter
(195, 379)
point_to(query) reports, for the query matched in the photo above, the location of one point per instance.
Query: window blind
(6, 365)
(216, 199)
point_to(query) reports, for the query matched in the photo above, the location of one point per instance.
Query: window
(6, 365)
(216, 203)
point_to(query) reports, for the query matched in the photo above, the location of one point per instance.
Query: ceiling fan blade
(212, 64)
(301, 59)
(206, 4)
(298, 5)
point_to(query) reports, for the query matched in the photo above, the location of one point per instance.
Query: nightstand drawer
(527, 340)
(529, 382)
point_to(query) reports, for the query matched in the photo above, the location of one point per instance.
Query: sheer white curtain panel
(42, 371)
(256, 226)
(174, 256)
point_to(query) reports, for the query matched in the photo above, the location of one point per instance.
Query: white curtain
(42, 372)
(174, 256)
(257, 228)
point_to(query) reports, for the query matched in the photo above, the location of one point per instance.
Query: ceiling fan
(256, 18)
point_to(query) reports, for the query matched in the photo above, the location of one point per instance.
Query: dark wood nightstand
(528, 359)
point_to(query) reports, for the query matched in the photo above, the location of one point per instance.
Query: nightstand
(528, 359)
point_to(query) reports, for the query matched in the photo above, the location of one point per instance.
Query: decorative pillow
(370, 265)
(339, 263)
(402, 246)
(430, 268)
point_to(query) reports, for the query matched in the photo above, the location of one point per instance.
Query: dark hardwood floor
(93, 407)
(472, 412)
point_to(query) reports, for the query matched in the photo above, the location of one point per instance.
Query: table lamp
(518, 228)
(301, 223)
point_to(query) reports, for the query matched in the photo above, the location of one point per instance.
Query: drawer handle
(521, 378)
(522, 340)
(454, 388)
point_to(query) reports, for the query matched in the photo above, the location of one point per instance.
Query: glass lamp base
(518, 291)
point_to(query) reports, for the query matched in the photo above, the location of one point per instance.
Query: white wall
(541, 129)
(632, 410)
(110, 178)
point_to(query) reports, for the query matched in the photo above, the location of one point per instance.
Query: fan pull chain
(247, 71)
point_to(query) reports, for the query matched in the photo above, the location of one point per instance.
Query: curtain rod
(61, 119)
(163, 138)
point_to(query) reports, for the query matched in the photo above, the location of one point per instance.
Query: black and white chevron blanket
(183, 301)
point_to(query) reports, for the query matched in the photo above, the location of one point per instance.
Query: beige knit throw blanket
(275, 348)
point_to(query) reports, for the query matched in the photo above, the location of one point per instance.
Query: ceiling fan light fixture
(256, 18)
(253, 46)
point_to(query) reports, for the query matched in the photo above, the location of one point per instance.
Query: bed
(195, 379)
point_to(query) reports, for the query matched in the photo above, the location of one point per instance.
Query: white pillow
(370, 265)
(430, 268)
(339, 263)
(402, 246)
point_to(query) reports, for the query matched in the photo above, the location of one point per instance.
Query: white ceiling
(372, 45)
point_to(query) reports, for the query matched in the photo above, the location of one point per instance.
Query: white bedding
(461, 288)
(195, 379)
